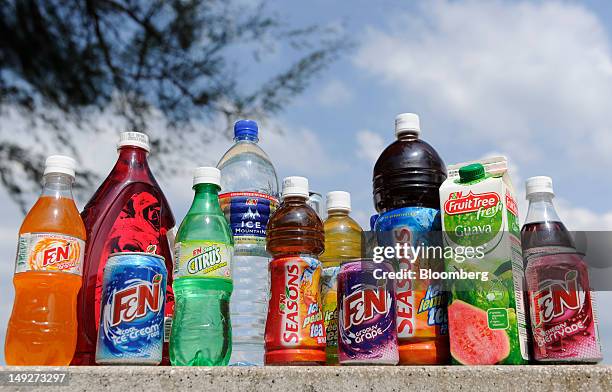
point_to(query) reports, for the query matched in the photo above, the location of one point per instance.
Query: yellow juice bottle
(342, 243)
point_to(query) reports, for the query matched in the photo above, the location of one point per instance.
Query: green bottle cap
(472, 172)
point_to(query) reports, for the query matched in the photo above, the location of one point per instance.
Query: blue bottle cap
(245, 129)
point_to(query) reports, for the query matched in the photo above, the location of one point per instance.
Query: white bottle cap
(60, 164)
(295, 186)
(407, 123)
(207, 175)
(136, 139)
(539, 184)
(339, 200)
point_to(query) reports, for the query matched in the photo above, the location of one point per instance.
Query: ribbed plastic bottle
(42, 329)
(295, 331)
(407, 178)
(250, 195)
(342, 243)
(201, 328)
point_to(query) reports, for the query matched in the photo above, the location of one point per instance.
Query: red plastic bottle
(295, 330)
(563, 323)
(127, 213)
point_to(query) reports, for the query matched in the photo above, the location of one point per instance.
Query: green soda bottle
(201, 329)
(342, 243)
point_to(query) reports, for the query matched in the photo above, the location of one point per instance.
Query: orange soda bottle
(42, 329)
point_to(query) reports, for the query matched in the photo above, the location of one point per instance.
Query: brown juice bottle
(295, 331)
(406, 179)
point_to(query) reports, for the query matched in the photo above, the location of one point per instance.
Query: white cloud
(369, 145)
(299, 151)
(533, 77)
(335, 93)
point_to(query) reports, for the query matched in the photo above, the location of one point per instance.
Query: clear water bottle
(249, 196)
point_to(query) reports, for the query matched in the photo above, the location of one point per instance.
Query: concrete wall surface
(324, 379)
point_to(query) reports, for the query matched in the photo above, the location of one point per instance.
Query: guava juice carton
(486, 312)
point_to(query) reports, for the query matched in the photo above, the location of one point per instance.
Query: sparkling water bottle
(249, 195)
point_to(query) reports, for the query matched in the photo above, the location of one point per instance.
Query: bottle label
(50, 252)
(295, 319)
(139, 226)
(247, 214)
(421, 304)
(329, 294)
(203, 259)
(563, 318)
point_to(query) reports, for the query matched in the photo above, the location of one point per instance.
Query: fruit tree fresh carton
(486, 314)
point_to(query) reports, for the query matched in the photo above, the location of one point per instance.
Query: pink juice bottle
(128, 213)
(562, 309)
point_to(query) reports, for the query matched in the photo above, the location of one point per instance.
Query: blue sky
(530, 80)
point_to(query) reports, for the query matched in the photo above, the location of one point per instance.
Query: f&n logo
(363, 305)
(136, 301)
(56, 254)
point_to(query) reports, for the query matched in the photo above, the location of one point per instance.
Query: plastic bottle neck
(337, 213)
(206, 198)
(57, 185)
(408, 136)
(246, 138)
(541, 209)
(133, 156)
(294, 200)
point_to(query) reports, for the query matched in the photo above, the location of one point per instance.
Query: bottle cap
(207, 175)
(538, 184)
(136, 139)
(60, 164)
(295, 186)
(339, 200)
(407, 123)
(471, 172)
(245, 128)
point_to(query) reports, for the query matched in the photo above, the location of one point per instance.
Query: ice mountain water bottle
(201, 328)
(249, 196)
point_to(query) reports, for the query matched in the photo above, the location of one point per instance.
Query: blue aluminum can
(131, 330)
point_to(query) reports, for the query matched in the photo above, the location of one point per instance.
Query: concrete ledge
(327, 379)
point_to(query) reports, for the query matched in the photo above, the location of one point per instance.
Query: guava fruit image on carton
(472, 342)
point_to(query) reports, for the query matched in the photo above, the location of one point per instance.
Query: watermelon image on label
(472, 342)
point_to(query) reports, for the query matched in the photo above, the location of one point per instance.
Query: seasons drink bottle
(128, 213)
(201, 328)
(250, 192)
(42, 329)
(295, 332)
(407, 178)
(342, 243)
(564, 322)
